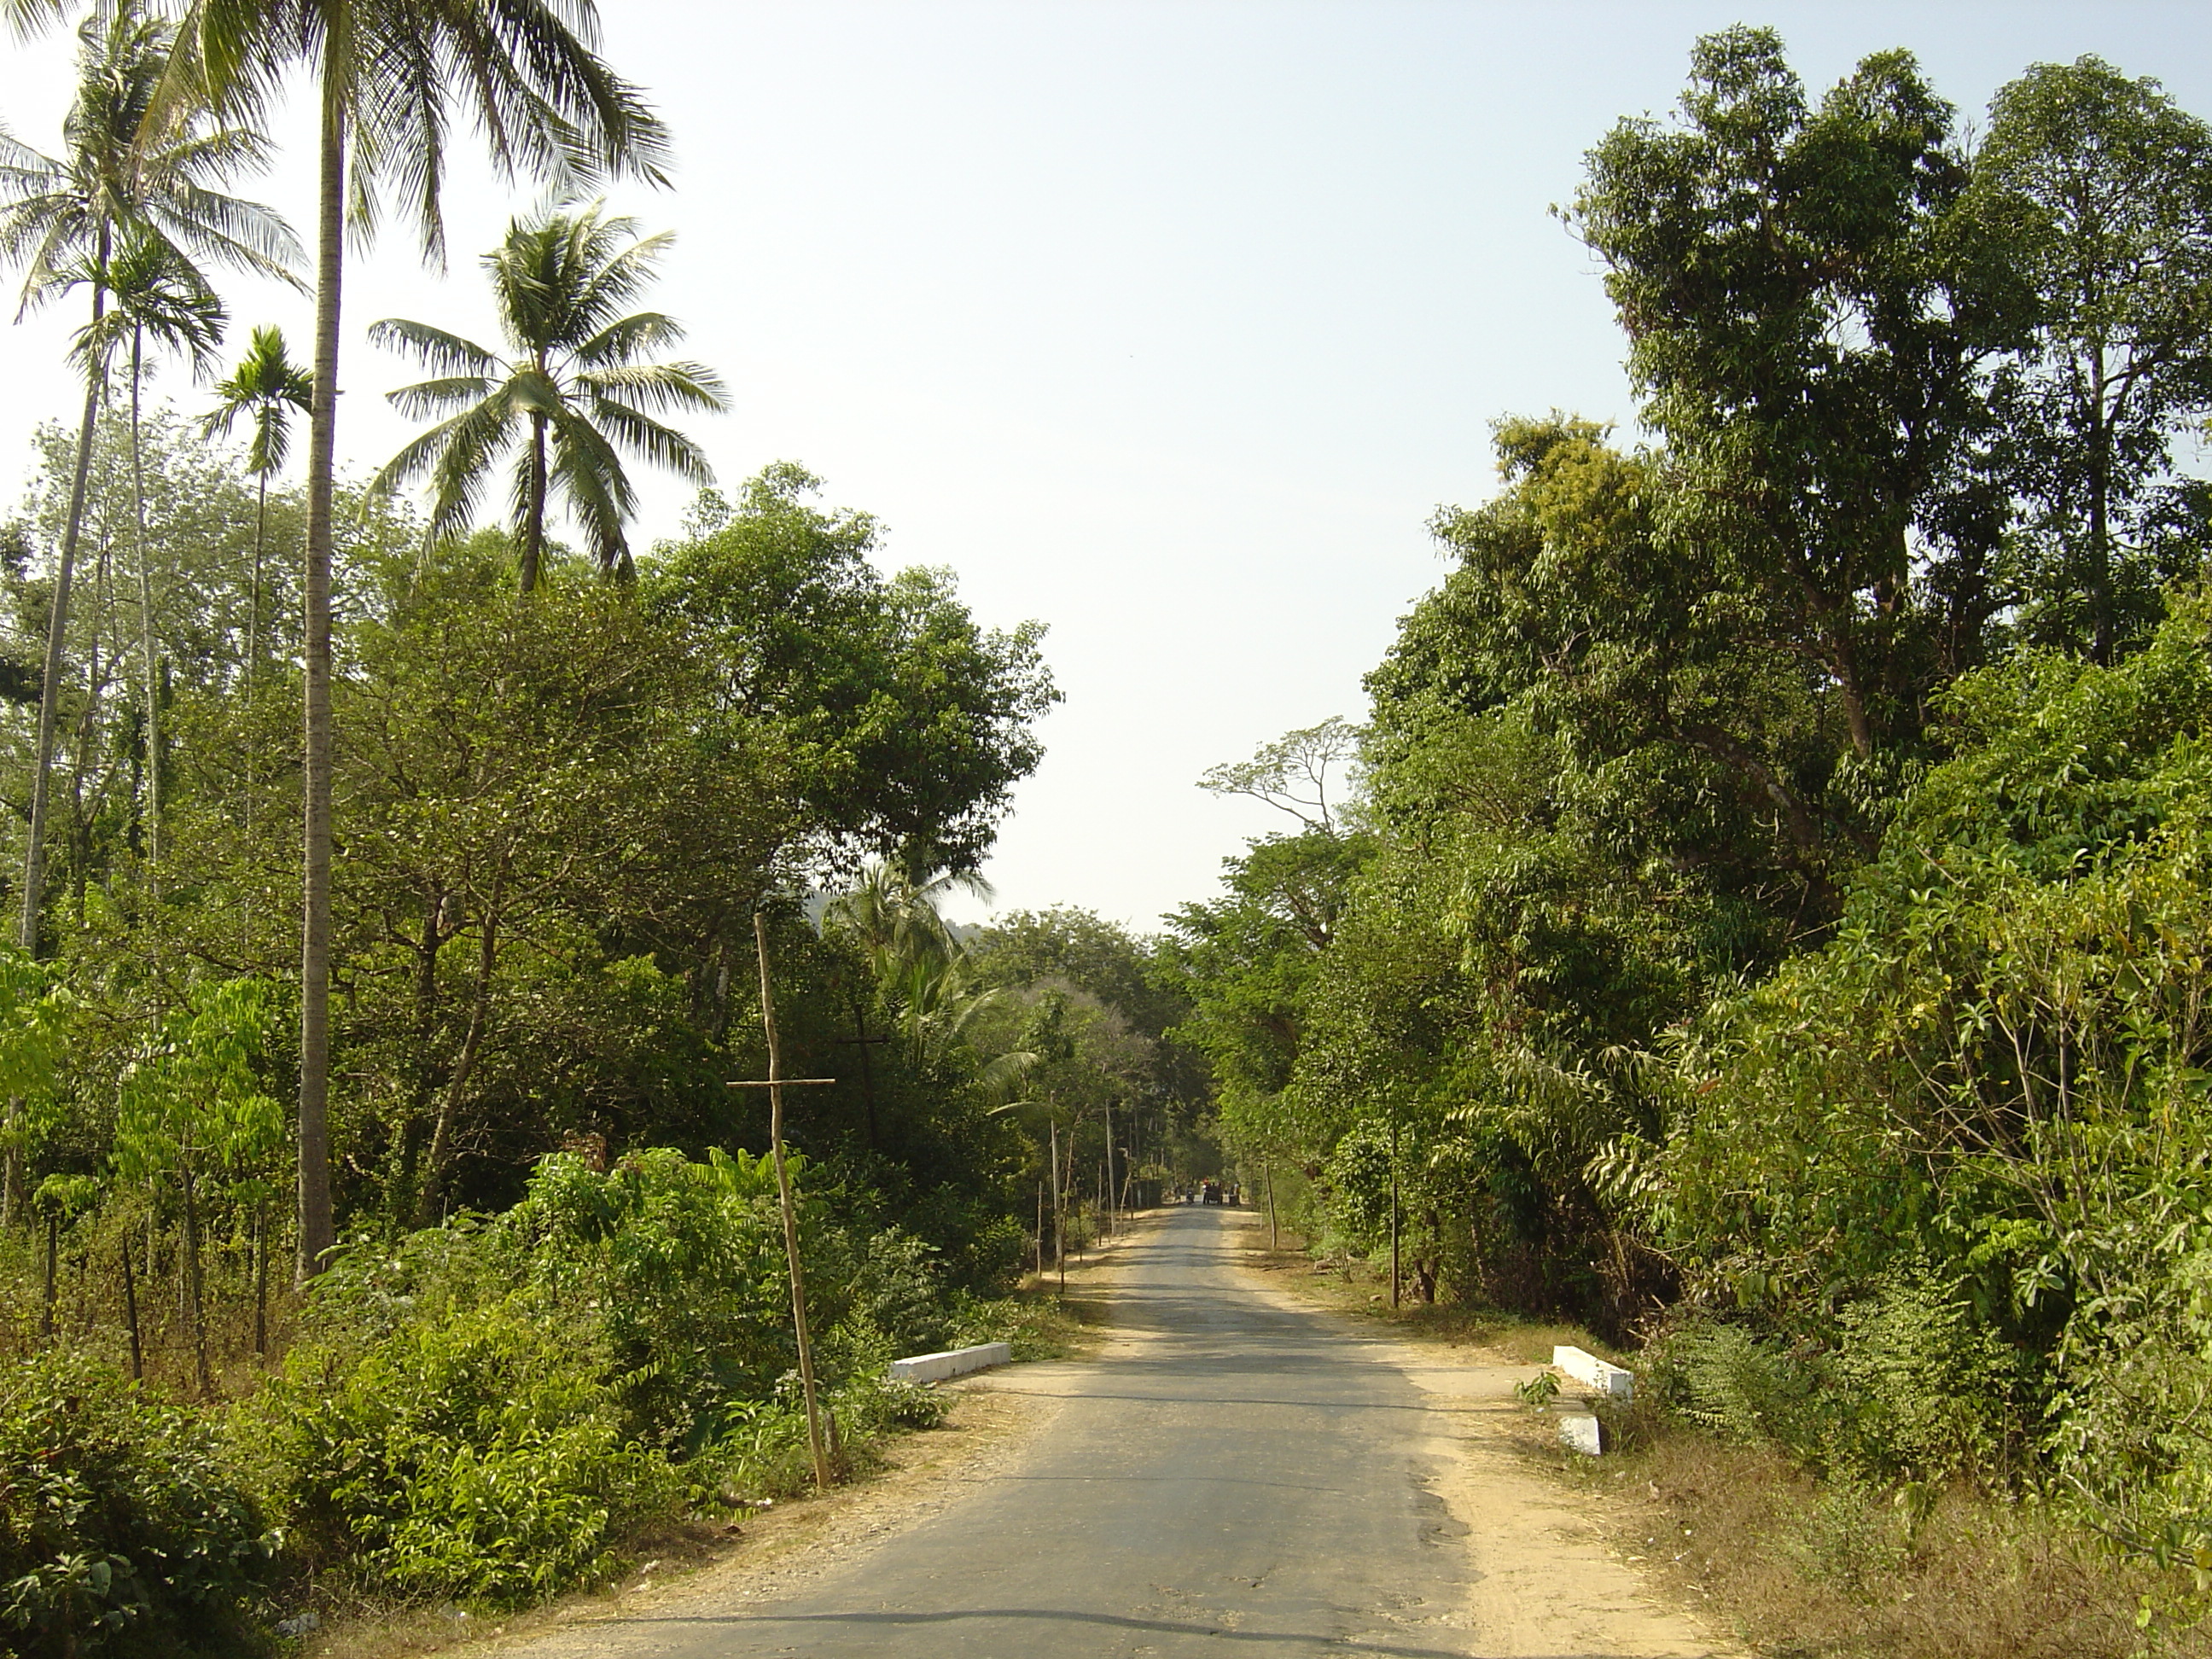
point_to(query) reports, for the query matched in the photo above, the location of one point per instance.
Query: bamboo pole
(790, 1214)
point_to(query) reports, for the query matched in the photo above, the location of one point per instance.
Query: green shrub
(481, 1457)
(1927, 1391)
(123, 1528)
(1034, 1328)
(899, 1289)
(683, 1265)
(1745, 1389)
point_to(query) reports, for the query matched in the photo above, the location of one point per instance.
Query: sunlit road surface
(1237, 1477)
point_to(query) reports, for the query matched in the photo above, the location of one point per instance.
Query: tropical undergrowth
(483, 1412)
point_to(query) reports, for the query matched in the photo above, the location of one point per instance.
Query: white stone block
(954, 1362)
(1585, 1367)
(1580, 1431)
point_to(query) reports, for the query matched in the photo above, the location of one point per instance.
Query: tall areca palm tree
(125, 178)
(391, 77)
(162, 299)
(574, 384)
(264, 389)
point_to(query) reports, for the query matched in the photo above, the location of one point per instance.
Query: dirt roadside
(1549, 1580)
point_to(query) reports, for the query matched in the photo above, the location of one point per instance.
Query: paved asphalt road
(1235, 1478)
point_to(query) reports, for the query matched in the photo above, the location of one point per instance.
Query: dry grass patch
(1803, 1571)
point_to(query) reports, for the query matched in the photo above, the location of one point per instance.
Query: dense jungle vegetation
(1763, 915)
(384, 1218)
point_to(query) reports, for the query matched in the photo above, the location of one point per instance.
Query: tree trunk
(1059, 1215)
(261, 1281)
(131, 1313)
(146, 652)
(441, 1138)
(533, 518)
(1106, 1187)
(53, 1262)
(2098, 578)
(1394, 1210)
(317, 1229)
(49, 685)
(260, 557)
(196, 1286)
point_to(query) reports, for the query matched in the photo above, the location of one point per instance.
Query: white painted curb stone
(1608, 1380)
(955, 1362)
(1580, 1431)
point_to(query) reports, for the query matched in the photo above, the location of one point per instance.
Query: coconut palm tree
(391, 77)
(573, 384)
(123, 178)
(264, 389)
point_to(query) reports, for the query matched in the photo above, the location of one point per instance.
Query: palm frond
(435, 349)
(432, 399)
(660, 385)
(643, 436)
(589, 476)
(626, 339)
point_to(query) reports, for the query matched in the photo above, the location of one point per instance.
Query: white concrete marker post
(1579, 1430)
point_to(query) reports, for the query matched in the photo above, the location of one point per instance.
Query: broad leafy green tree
(1809, 330)
(2099, 188)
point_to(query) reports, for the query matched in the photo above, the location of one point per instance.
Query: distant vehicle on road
(1210, 1191)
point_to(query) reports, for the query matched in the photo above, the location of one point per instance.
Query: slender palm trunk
(317, 1232)
(50, 686)
(253, 603)
(533, 522)
(146, 652)
(251, 678)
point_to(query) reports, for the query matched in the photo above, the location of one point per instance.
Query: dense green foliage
(127, 1526)
(1771, 916)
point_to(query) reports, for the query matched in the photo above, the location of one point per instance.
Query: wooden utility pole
(1394, 1209)
(1059, 1213)
(790, 1213)
(1106, 1187)
(863, 1042)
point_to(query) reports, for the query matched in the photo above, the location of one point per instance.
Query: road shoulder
(1544, 1578)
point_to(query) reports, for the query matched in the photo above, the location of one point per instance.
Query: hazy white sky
(1167, 324)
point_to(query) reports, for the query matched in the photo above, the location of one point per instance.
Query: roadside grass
(1804, 1570)
(1794, 1568)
